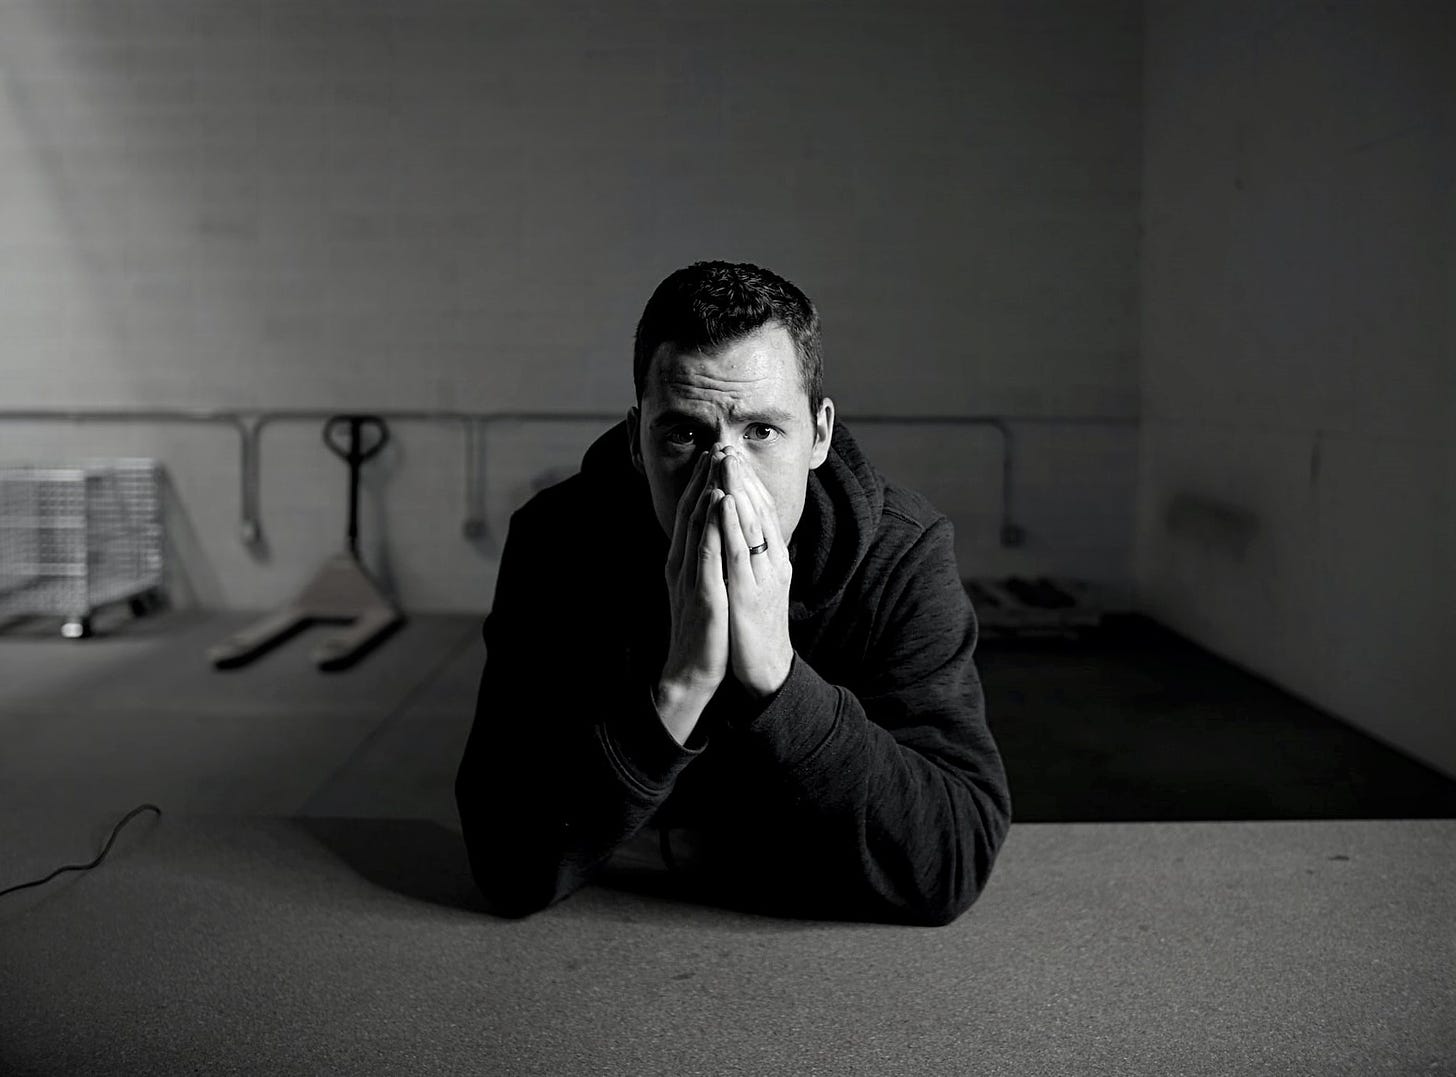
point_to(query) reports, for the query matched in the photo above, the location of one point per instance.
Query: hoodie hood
(843, 501)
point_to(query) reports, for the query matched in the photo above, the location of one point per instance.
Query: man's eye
(680, 436)
(763, 430)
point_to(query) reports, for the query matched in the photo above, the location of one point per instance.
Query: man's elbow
(508, 875)
(511, 886)
(966, 870)
(943, 906)
(511, 904)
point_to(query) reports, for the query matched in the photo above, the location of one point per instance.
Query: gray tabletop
(226, 945)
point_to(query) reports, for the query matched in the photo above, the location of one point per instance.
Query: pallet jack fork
(341, 592)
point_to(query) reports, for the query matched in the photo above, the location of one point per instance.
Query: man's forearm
(679, 708)
(542, 806)
(941, 834)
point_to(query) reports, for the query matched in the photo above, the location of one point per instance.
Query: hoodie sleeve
(566, 759)
(897, 789)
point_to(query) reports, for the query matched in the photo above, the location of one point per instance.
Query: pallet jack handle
(354, 455)
(342, 590)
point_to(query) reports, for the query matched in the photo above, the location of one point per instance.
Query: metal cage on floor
(78, 537)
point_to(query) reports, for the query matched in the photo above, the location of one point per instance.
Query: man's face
(747, 394)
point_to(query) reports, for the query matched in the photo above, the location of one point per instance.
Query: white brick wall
(1299, 348)
(447, 204)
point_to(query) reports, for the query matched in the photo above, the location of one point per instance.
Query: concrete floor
(137, 713)
(1135, 724)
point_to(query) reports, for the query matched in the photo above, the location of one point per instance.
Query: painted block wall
(357, 205)
(1298, 459)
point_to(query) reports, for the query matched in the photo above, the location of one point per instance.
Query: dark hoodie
(867, 787)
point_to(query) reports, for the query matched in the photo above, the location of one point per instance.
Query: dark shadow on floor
(1136, 723)
(427, 862)
(414, 857)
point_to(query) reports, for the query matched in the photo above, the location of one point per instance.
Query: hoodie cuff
(799, 718)
(642, 751)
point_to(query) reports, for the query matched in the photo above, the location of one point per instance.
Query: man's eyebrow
(765, 415)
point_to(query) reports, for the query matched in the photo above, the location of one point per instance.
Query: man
(728, 628)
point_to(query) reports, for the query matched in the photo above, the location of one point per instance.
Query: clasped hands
(729, 606)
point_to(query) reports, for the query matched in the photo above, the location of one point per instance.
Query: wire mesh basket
(79, 537)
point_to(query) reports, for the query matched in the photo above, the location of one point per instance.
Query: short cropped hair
(711, 304)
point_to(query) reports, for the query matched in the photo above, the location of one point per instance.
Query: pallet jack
(341, 592)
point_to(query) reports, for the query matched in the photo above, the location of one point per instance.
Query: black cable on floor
(100, 857)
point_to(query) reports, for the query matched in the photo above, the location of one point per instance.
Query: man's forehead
(740, 399)
(677, 410)
(755, 373)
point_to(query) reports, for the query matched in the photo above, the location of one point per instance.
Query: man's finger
(686, 505)
(752, 516)
(739, 572)
(687, 502)
(739, 483)
(697, 525)
(765, 515)
(710, 546)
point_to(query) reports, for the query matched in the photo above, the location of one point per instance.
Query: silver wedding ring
(759, 548)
